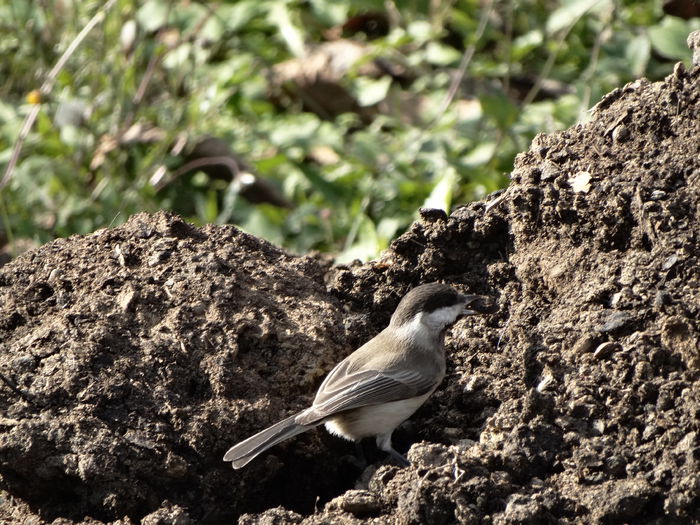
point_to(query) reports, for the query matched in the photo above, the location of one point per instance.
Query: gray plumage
(382, 383)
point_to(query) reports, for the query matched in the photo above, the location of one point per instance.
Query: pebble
(581, 182)
(616, 321)
(620, 133)
(605, 350)
(357, 502)
(585, 344)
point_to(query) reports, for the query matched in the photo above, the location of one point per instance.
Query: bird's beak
(477, 304)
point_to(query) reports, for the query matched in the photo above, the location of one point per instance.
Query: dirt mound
(131, 359)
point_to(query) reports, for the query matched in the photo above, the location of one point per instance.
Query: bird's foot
(399, 458)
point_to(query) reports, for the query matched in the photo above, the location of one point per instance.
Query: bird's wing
(344, 391)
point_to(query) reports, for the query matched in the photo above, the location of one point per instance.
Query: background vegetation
(421, 103)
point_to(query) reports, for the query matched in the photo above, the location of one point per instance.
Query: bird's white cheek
(443, 316)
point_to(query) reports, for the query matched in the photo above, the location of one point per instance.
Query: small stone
(476, 382)
(175, 466)
(616, 321)
(649, 432)
(599, 426)
(581, 182)
(688, 443)
(585, 344)
(693, 43)
(550, 171)
(670, 262)
(168, 513)
(643, 370)
(119, 253)
(605, 350)
(125, 299)
(615, 465)
(661, 299)
(453, 432)
(24, 362)
(360, 503)
(157, 258)
(432, 214)
(620, 133)
(546, 382)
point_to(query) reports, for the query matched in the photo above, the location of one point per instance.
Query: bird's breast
(374, 420)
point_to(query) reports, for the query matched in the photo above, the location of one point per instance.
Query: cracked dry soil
(132, 358)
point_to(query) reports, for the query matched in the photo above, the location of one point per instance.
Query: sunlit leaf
(526, 43)
(366, 247)
(500, 108)
(637, 53)
(369, 91)
(441, 55)
(441, 196)
(331, 12)
(571, 11)
(669, 37)
(236, 16)
(420, 31)
(290, 33)
(259, 224)
(153, 14)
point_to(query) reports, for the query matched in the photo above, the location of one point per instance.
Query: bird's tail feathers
(246, 450)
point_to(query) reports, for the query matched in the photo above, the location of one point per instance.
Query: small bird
(382, 383)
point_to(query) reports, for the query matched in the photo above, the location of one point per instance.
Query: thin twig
(221, 160)
(156, 58)
(530, 97)
(590, 71)
(464, 63)
(15, 389)
(46, 88)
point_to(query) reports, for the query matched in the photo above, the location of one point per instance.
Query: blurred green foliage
(157, 72)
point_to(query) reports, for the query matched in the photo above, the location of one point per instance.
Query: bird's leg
(358, 459)
(384, 443)
(360, 454)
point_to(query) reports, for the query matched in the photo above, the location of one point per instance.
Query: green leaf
(500, 108)
(153, 15)
(571, 11)
(441, 55)
(669, 37)
(387, 228)
(368, 244)
(178, 57)
(237, 16)
(369, 91)
(638, 52)
(298, 130)
(327, 189)
(524, 44)
(441, 196)
(479, 155)
(290, 33)
(259, 224)
(330, 12)
(420, 31)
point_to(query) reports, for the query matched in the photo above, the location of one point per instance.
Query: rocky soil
(132, 358)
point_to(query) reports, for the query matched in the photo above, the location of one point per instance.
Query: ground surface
(131, 359)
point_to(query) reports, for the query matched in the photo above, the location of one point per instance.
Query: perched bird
(382, 383)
